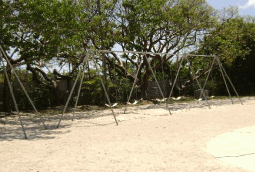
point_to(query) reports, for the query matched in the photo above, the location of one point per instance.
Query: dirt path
(145, 140)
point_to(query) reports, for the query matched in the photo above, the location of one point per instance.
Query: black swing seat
(156, 101)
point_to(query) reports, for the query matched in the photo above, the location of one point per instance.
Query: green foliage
(227, 39)
(92, 92)
(2, 77)
(145, 24)
(232, 40)
(42, 30)
(119, 86)
(40, 94)
(23, 75)
(242, 70)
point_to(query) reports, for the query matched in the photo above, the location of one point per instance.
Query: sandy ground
(146, 139)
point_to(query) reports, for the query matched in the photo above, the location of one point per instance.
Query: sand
(147, 139)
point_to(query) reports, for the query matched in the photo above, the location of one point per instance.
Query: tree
(225, 39)
(232, 40)
(36, 32)
(159, 26)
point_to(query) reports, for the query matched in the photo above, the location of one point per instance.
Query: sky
(246, 7)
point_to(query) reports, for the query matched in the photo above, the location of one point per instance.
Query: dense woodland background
(46, 42)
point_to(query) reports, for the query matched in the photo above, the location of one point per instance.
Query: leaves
(42, 30)
(227, 40)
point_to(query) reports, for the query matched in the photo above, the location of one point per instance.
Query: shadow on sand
(10, 129)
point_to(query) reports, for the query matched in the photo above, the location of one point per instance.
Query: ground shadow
(11, 129)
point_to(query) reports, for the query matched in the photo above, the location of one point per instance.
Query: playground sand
(147, 138)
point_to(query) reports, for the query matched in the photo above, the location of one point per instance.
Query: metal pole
(13, 98)
(175, 81)
(70, 95)
(224, 79)
(133, 85)
(157, 82)
(154, 76)
(230, 82)
(78, 95)
(198, 82)
(108, 99)
(207, 77)
(164, 88)
(23, 88)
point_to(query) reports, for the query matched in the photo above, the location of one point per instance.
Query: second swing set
(94, 53)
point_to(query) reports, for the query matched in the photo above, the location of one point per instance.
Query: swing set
(92, 55)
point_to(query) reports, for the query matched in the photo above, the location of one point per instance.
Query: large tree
(36, 32)
(40, 31)
(158, 26)
(232, 39)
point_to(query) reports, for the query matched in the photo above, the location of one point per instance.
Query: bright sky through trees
(246, 7)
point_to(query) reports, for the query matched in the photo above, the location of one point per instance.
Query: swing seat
(161, 100)
(135, 102)
(178, 98)
(164, 99)
(156, 101)
(114, 105)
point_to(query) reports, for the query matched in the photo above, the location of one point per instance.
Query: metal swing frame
(85, 60)
(222, 70)
(132, 88)
(93, 53)
(12, 93)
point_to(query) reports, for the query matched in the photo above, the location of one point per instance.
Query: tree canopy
(34, 33)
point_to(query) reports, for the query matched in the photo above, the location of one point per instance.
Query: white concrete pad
(236, 148)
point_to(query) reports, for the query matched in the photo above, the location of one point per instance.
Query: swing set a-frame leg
(21, 85)
(105, 91)
(136, 75)
(13, 98)
(192, 71)
(210, 70)
(71, 93)
(223, 71)
(171, 92)
(79, 90)
(154, 76)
